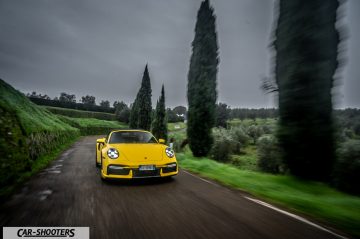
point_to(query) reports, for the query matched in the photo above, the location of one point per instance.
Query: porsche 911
(127, 154)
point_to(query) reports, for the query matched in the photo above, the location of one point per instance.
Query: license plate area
(147, 168)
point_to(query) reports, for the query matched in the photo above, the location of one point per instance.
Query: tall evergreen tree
(201, 92)
(144, 102)
(140, 115)
(222, 115)
(134, 115)
(306, 60)
(159, 127)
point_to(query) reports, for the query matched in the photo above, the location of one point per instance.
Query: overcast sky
(101, 48)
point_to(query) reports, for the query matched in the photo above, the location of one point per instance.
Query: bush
(240, 137)
(179, 141)
(269, 155)
(254, 132)
(123, 115)
(223, 145)
(267, 129)
(347, 168)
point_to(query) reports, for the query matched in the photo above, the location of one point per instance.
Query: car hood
(140, 152)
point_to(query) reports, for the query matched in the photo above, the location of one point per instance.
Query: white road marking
(201, 178)
(293, 216)
(275, 209)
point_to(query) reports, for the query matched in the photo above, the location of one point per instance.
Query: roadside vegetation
(28, 134)
(246, 156)
(31, 136)
(295, 156)
(314, 199)
(91, 126)
(80, 113)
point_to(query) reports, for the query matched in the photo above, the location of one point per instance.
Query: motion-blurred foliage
(347, 168)
(81, 113)
(29, 132)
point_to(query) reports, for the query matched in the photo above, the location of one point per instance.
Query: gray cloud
(101, 48)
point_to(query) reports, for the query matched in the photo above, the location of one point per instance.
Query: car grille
(144, 174)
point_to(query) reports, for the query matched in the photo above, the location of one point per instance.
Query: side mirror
(162, 141)
(101, 141)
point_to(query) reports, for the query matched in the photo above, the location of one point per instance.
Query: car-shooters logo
(46, 232)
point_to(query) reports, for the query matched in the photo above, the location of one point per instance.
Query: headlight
(169, 152)
(113, 153)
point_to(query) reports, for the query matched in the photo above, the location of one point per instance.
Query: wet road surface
(70, 193)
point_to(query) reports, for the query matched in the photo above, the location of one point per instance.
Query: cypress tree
(140, 115)
(159, 127)
(201, 88)
(306, 60)
(134, 115)
(144, 102)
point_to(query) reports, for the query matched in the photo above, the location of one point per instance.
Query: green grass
(28, 132)
(248, 122)
(90, 126)
(247, 160)
(32, 117)
(37, 165)
(80, 113)
(315, 199)
(176, 126)
(90, 122)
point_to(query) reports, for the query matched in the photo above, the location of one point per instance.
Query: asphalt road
(70, 193)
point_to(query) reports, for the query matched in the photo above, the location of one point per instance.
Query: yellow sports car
(127, 154)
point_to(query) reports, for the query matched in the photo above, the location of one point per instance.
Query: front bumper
(129, 172)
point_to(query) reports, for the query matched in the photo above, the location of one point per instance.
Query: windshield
(132, 137)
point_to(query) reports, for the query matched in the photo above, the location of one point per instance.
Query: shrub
(240, 138)
(223, 145)
(267, 129)
(347, 168)
(348, 134)
(269, 155)
(357, 129)
(254, 132)
(123, 115)
(179, 141)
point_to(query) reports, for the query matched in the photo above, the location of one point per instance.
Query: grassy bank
(35, 167)
(315, 199)
(80, 113)
(28, 134)
(90, 126)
